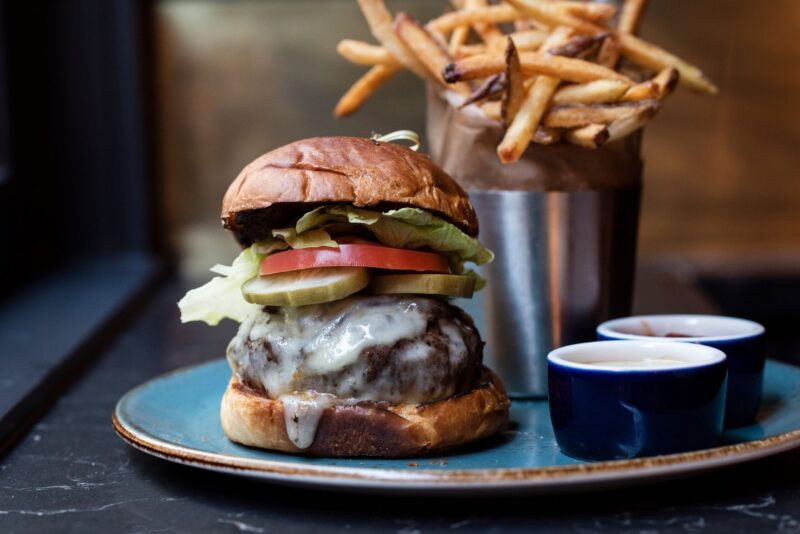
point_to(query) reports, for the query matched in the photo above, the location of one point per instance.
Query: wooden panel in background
(721, 173)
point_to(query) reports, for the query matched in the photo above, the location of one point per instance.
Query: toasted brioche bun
(371, 429)
(297, 177)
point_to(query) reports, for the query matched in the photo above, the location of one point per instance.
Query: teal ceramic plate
(176, 417)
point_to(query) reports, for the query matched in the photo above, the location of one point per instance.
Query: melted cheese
(334, 349)
(295, 353)
(324, 340)
(302, 413)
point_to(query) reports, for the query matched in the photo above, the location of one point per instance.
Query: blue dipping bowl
(611, 412)
(741, 340)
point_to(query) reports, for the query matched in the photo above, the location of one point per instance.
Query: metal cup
(564, 264)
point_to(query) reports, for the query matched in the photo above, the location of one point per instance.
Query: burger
(348, 343)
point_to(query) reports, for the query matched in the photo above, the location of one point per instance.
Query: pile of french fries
(550, 70)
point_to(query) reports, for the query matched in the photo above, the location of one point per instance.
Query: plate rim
(430, 479)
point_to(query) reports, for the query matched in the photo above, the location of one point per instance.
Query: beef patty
(367, 347)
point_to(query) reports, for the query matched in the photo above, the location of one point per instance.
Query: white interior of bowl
(680, 327)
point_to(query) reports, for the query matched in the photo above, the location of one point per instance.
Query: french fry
(628, 23)
(460, 34)
(426, 48)
(362, 53)
(552, 40)
(523, 127)
(569, 69)
(577, 115)
(630, 15)
(641, 91)
(487, 31)
(521, 25)
(524, 40)
(589, 136)
(578, 45)
(529, 83)
(469, 50)
(515, 85)
(660, 87)
(656, 59)
(382, 26)
(551, 14)
(493, 85)
(667, 80)
(458, 38)
(546, 136)
(627, 125)
(527, 40)
(591, 11)
(494, 14)
(363, 89)
(542, 135)
(637, 50)
(492, 110)
(608, 55)
(598, 91)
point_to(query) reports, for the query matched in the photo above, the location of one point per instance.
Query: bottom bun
(371, 428)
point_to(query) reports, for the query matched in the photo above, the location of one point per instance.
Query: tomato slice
(354, 255)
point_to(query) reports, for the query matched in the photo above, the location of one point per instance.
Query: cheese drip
(302, 413)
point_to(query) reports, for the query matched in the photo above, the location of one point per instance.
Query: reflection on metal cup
(564, 264)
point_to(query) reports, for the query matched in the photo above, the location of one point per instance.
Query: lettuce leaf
(416, 228)
(411, 228)
(328, 214)
(269, 246)
(221, 298)
(316, 237)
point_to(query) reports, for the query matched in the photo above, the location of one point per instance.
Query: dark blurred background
(123, 122)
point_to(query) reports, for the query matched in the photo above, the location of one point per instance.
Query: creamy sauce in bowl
(635, 355)
(645, 363)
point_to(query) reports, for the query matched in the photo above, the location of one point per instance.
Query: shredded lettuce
(410, 228)
(269, 246)
(328, 214)
(316, 237)
(405, 228)
(221, 298)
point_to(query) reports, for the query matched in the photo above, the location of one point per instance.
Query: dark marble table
(71, 473)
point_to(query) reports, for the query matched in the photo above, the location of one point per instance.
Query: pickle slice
(307, 286)
(450, 285)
